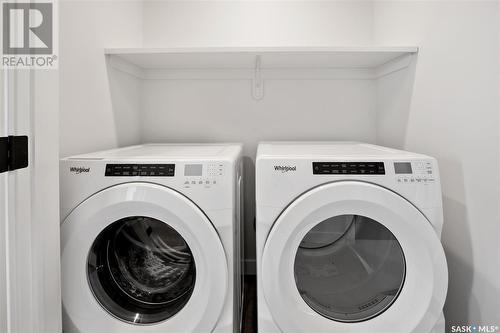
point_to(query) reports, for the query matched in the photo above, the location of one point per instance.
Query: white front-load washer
(150, 239)
(348, 240)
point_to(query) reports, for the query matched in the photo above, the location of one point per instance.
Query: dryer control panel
(348, 168)
(414, 172)
(144, 170)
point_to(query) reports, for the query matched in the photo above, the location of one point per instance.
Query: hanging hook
(257, 82)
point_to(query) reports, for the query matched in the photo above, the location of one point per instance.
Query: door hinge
(13, 153)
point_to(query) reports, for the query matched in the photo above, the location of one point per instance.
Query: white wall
(224, 110)
(89, 119)
(257, 23)
(454, 116)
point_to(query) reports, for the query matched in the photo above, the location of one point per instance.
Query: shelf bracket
(257, 81)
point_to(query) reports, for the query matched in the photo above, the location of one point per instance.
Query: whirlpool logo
(79, 170)
(285, 168)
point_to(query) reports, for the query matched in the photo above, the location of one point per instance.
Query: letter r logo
(27, 28)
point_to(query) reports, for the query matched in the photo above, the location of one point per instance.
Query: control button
(214, 182)
(207, 182)
(193, 182)
(186, 182)
(200, 182)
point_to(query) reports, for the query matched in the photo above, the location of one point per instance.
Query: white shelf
(260, 63)
(270, 57)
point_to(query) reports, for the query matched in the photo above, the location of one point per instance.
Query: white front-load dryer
(150, 239)
(348, 240)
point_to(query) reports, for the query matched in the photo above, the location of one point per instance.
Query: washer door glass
(349, 268)
(141, 270)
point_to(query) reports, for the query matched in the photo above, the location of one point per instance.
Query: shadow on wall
(124, 89)
(394, 94)
(457, 244)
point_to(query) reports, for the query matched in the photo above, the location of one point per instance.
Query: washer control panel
(144, 170)
(202, 174)
(414, 172)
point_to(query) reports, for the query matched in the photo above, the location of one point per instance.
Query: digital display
(193, 170)
(143, 170)
(348, 168)
(402, 168)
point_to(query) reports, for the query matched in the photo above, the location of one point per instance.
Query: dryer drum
(141, 270)
(349, 268)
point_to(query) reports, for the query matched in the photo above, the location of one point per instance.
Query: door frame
(29, 198)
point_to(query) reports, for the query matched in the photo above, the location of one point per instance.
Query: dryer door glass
(141, 270)
(349, 268)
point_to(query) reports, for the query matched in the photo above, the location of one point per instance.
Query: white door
(354, 257)
(3, 212)
(141, 254)
(29, 210)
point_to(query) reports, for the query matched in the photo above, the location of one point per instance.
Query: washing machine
(348, 239)
(150, 239)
